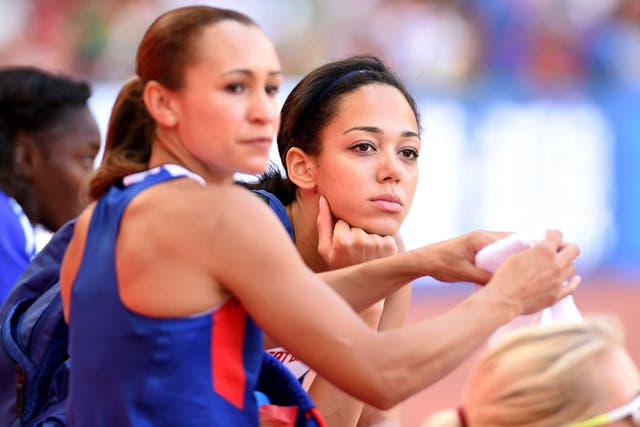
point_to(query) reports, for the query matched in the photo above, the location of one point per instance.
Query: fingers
(391, 245)
(344, 235)
(357, 240)
(325, 226)
(340, 245)
(569, 287)
(568, 253)
(553, 237)
(399, 242)
(482, 238)
(478, 276)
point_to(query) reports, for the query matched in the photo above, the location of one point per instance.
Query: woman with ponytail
(173, 272)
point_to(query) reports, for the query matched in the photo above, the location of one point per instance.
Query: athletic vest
(133, 370)
(17, 243)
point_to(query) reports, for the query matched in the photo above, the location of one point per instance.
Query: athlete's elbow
(385, 403)
(385, 394)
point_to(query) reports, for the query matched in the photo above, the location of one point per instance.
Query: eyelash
(408, 153)
(237, 88)
(413, 154)
(272, 90)
(359, 145)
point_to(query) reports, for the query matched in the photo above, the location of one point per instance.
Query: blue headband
(338, 80)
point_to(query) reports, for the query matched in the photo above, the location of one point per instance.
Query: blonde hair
(537, 377)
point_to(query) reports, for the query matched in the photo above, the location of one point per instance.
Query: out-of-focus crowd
(437, 44)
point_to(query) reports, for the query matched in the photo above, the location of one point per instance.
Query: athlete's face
(367, 167)
(618, 379)
(66, 155)
(227, 109)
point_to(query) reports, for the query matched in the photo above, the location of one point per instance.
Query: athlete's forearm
(424, 352)
(364, 284)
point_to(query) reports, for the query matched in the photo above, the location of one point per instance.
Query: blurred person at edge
(48, 142)
(572, 375)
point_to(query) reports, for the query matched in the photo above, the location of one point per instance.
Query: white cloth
(492, 256)
(293, 364)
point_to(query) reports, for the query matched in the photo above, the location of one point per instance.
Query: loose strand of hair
(128, 142)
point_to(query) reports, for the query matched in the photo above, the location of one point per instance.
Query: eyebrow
(250, 72)
(377, 130)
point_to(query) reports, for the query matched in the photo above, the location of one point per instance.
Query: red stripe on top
(227, 368)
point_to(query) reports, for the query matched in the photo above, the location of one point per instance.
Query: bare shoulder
(80, 231)
(185, 201)
(82, 224)
(185, 212)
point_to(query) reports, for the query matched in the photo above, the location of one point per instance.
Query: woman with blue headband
(349, 142)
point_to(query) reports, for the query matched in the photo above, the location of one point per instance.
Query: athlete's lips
(388, 197)
(388, 202)
(261, 140)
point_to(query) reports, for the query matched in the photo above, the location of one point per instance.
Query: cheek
(410, 189)
(343, 176)
(66, 177)
(344, 205)
(347, 206)
(201, 120)
(341, 187)
(59, 194)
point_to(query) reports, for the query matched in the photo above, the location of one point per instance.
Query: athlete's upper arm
(259, 264)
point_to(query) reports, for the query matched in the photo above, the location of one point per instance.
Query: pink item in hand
(491, 257)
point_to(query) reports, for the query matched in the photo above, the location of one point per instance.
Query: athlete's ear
(301, 168)
(159, 103)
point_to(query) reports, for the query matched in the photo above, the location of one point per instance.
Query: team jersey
(133, 370)
(294, 365)
(17, 243)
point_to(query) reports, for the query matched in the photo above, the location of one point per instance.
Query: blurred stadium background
(529, 108)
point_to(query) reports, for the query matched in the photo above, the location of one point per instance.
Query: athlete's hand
(341, 245)
(454, 259)
(536, 278)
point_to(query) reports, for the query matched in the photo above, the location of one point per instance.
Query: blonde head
(541, 376)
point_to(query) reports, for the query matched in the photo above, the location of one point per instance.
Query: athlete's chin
(255, 167)
(381, 227)
(383, 230)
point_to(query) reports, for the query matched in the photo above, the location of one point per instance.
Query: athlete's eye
(409, 153)
(235, 88)
(272, 90)
(363, 147)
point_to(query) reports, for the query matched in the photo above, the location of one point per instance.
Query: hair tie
(338, 80)
(462, 416)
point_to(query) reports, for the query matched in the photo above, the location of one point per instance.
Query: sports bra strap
(173, 170)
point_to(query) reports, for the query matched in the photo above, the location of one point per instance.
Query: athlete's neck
(303, 214)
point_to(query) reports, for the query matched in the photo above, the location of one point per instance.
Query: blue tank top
(17, 243)
(133, 370)
(278, 208)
